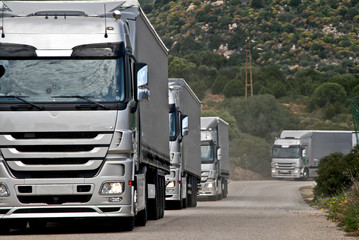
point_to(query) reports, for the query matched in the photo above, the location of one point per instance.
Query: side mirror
(303, 152)
(219, 155)
(185, 125)
(141, 78)
(2, 71)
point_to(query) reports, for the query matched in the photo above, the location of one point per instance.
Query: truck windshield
(41, 80)
(207, 153)
(291, 152)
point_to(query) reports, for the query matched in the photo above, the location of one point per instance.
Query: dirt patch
(295, 108)
(245, 174)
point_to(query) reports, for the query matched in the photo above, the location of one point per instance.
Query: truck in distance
(79, 138)
(185, 145)
(214, 158)
(296, 154)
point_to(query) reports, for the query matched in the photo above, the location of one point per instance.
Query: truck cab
(288, 158)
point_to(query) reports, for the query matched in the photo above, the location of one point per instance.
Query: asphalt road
(258, 210)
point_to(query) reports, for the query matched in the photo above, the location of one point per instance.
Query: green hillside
(289, 33)
(305, 65)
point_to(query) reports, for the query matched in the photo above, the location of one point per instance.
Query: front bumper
(68, 197)
(292, 173)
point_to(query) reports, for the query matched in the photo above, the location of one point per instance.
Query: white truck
(78, 138)
(296, 154)
(214, 158)
(185, 145)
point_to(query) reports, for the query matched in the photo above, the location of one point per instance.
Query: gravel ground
(254, 210)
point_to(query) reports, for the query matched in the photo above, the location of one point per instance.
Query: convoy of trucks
(91, 126)
(185, 145)
(215, 158)
(296, 154)
(78, 137)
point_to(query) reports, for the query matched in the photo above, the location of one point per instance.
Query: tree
(181, 68)
(234, 88)
(329, 93)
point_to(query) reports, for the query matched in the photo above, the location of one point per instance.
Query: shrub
(331, 178)
(329, 93)
(337, 173)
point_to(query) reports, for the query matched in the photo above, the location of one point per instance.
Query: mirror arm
(132, 57)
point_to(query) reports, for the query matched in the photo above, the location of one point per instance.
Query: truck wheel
(163, 196)
(141, 217)
(225, 188)
(305, 174)
(154, 204)
(194, 193)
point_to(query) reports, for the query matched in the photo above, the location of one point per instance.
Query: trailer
(81, 135)
(214, 158)
(296, 154)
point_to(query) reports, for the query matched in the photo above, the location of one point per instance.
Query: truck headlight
(112, 188)
(171, 184)
(296, 170)
(273, 170)
(209, 185)
(4, 192)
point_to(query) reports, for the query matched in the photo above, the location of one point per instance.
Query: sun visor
(106, 50)
(8, 50)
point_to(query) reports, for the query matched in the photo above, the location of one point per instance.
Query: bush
(337, 173)
(329, 93)
(331, 178)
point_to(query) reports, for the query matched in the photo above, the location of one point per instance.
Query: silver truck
(78, 138)
(214, 158)
(185, 145)
(296, 154)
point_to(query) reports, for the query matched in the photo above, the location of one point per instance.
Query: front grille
(57, 148)
(55, 154)
(54, 135)
(60, 199)
(285, 166)
(61, 161)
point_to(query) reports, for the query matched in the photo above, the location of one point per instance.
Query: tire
(194, 193)
(225, 188)
(154, 204)
(305, 174)
(163, 196)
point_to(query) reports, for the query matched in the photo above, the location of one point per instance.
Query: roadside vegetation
(337, 189)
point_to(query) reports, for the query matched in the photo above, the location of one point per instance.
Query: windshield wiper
(23, 100)
(86, 98)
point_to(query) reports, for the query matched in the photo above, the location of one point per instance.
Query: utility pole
(249, 81)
